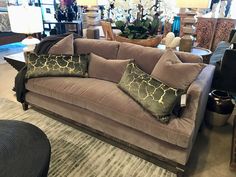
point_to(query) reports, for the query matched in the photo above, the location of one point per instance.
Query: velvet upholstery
(64, 46)
(147, 57)
(102, 106)
(101, 97)
(110, 70)
(184, 129)
(154, 96)
(56, 65)
(105, 49)
(171, 71)
(112, 128)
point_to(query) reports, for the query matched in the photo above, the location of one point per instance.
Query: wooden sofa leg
(25, 106)
(180, 172)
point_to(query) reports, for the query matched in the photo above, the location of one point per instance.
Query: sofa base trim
(172, 166)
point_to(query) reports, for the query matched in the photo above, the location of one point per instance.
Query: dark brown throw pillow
(64, 46)
(106, 69)
(171, 71)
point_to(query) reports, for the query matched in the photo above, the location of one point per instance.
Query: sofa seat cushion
(106, 99)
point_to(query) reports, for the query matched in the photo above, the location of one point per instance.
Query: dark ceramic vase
(219, 108)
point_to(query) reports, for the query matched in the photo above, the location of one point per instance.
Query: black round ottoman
(24, 150)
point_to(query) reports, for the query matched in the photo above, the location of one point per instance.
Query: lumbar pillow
(56, 65)
(171, 71)
(64, 46)
(106, 69)
(156, 97)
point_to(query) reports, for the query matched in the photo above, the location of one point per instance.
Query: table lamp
(186, 42)
(27, 20)
(92, 17)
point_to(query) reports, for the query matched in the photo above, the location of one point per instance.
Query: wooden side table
(204, 53)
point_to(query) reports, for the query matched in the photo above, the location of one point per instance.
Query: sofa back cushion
(110, 70)
(147, 57)
(103, 48)
(64, 46)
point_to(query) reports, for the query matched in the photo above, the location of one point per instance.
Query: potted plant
(138, 21)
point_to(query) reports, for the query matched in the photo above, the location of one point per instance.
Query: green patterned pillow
(56, 65)
(154, 96)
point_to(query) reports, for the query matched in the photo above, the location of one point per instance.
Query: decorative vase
(176, 26)
(219, 108)
(149, 42)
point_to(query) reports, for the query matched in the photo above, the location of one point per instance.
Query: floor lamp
(186, 42)
(27, 20)
(92, 17)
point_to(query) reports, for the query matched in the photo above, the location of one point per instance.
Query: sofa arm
(197, 96)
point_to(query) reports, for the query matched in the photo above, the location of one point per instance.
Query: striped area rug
(76, 154)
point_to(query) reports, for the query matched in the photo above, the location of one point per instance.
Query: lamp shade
(103, 2)
(87, 2)
(25, 19)
(193, 3)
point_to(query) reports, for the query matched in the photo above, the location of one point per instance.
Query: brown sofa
(102, 106)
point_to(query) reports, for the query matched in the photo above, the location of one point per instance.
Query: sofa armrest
(197, 96)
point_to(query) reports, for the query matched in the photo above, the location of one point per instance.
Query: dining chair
(107, 29)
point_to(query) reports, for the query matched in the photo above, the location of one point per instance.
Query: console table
(65, 27)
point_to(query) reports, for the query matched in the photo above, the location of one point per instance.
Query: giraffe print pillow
(56, 65)
(154, 96)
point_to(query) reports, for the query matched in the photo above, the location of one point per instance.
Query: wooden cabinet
(210, 31)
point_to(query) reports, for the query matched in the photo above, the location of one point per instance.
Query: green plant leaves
(154, 26)
(120, 25)
(139, 29)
